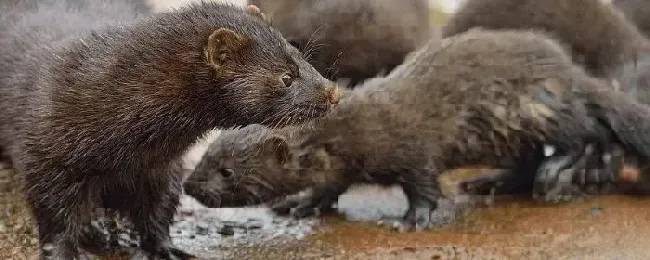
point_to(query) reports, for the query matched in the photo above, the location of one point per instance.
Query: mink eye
(226, 173)
(287, 79)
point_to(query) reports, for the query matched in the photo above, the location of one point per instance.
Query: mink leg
(158, 201)
(422, 192)
(61, 208)
(319, 201)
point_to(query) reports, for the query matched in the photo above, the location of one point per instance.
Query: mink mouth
(312, 111)
(299, 114)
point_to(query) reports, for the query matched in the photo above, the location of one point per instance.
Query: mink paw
(417, 218)
(302, 206)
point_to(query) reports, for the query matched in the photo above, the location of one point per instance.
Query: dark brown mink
(352, 40)
(98, 106)
(599, 36)
(637, 11)
(490, 98)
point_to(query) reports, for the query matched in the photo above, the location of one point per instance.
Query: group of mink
(545, 96)
(101, 99)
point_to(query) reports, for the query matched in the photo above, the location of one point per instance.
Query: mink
(489, 98)
(352, 40)
(598, 36)
(247, 166)
(99, 104)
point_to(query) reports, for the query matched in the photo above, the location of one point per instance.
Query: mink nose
(333, 94)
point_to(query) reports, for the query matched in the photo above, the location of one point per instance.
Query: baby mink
(98, 106)
(247, 166)
(490, 98)
(352, 40)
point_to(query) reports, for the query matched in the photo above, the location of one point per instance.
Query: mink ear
(277, 146)
(222, 44)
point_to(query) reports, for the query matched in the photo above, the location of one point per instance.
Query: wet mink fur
(490, 98)
(99, 105)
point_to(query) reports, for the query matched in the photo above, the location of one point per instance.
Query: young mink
(637, 11)
(599, 36)
(250, 166)
(247, 166)
(98, 107)
(352, 40)
(490, 98)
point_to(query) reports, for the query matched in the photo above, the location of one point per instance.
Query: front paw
(417, 218)
(302, 206)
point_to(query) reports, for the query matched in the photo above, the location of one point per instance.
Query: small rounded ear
(278, 147)
(254, 10)
(223, 43)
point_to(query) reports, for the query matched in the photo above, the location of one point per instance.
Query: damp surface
(612, 227)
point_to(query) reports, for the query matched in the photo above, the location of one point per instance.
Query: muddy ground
(612, 227)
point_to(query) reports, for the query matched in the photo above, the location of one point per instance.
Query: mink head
(263, 79)
(242, 167)
(219, 65)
